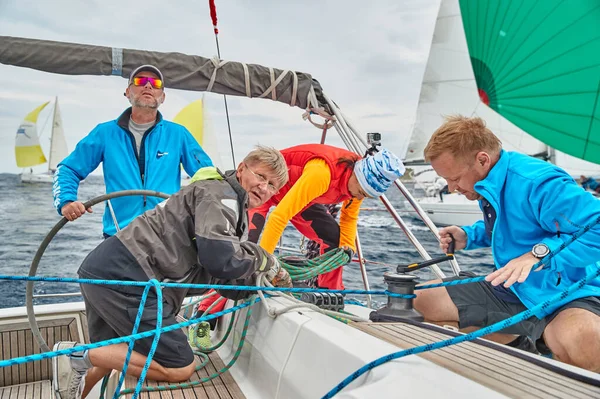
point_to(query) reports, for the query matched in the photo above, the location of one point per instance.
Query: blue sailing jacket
(590, 183)
(537, 202)
(163, 148)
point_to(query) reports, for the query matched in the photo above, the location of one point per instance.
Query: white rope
(274, 82)
(272, 75)
(342, 135)
(313, 102)
(247, 80)
(304, 305)
(294, 88)
(272, 312)
(272, 89)
(194, 301)
(312, 107)
(217, 64)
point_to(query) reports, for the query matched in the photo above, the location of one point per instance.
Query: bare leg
(435, 305)
(113, 357)
(574, 338)
(495, 337)
(92, 377)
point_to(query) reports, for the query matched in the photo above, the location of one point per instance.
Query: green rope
(185, 385)
(299, 269)
(304, 269)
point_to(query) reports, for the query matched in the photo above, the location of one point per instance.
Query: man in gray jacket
(199, 235)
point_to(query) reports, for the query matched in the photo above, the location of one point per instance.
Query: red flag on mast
(213, 15)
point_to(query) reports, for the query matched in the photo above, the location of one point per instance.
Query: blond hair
(271, 158)
(462, 137)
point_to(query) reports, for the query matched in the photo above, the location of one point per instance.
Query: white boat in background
(285, 349)
(450, 87)
(443, 208)
(28, 151)
(452, 209)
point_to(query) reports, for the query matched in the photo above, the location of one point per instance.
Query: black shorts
(478, 306)
(112, 314)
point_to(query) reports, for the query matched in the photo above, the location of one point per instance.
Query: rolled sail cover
(181, 71)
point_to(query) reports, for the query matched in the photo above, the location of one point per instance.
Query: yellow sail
(192, 117)
(28, 151)
(199, 123)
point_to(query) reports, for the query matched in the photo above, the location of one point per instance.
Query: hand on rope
(517, 270)
(349, 252)
(278, 276)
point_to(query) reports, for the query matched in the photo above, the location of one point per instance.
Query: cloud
(369, 58)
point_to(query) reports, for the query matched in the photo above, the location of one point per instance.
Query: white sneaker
(68, 372)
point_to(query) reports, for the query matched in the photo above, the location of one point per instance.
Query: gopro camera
(374, 139)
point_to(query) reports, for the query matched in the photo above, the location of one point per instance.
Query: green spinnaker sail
(537, 63)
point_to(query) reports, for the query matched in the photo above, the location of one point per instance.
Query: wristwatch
(540, 250)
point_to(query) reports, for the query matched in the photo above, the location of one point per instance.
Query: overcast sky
(368, 58)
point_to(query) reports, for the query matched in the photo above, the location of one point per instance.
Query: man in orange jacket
(321, 174)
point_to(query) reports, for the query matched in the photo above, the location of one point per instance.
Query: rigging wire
(213, 16)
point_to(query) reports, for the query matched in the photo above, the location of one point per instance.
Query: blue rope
(138, 318)
(120, 340)
(202, 286)
(542, 262)
(453, 282)
(468, 337)
(157, 331)
(352, 301)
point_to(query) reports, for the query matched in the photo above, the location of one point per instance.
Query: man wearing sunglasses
(138, 150)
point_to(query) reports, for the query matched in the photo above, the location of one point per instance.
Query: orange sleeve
(314, 181)
(349, 223)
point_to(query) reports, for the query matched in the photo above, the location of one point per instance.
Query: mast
(51, 153)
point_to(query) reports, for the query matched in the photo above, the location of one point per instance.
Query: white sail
(58, 144)
(449, 88)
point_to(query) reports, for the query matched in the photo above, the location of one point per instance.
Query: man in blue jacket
(530, 207)
(139, 150)
(589, 183)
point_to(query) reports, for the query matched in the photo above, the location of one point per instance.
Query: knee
(435, 304)
(565, 343)
(425, 298)
(182, 373)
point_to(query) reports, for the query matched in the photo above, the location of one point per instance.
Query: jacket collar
(493, 184)
(123, 119)
(230, 177)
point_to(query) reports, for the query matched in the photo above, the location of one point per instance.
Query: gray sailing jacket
(199, 235)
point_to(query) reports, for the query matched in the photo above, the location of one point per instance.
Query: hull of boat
(454, 209)
(303, 354)
(37, 178)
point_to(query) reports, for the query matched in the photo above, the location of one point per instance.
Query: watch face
(540, 250)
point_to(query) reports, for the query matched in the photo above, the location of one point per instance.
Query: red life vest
(297, 157)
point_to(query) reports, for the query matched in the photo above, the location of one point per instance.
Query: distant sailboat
(193, 117)
(28, 151)
(520, 104)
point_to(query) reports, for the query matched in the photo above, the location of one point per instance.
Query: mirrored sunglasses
(141, 81)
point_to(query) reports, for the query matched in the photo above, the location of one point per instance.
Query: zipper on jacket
(142, 159)
(143, 187)
(123, 122)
